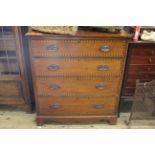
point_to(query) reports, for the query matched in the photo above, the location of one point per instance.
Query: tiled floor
(20, 120)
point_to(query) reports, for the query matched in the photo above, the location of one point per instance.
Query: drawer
(78, 48)
(132, 83)
(75, 87)
(10, 89)
(78, 67)
(141, 69)
(142, 60)
(143, 51)
(77, 106)
(141, 76)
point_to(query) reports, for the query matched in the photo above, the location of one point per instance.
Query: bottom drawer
(76, 106)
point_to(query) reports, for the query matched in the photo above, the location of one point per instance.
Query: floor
(20, 120)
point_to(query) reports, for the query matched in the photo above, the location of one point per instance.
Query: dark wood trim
(112, 119)
(132, 45)
(24, 30)
(20, 56)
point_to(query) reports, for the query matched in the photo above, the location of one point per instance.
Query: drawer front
(78, 67)
(10, 89)
(132, 83)
(76, 106)
(141, 76)
(78, 48)
(12, 101)
(141, 69)
(143, 51)
(142, 60)
(62, 87)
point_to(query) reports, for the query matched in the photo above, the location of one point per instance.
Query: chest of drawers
(140, 66)
(77, 78)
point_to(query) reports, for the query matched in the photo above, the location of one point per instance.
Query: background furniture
(77, 78)
(143, 107)
(14, 89)
(140, 66)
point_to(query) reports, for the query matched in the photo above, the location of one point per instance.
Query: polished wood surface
(141, 69)
(76, 87)
(77, 48)
(76, 106)
(79, 66)
(140, 66)
(143, 60)
(41, 119)
(77, 78)
(141, 76)
(143, 51)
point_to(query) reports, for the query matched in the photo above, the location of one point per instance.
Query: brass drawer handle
(52, 48)
(53, 67)
(54, 106)
(103, 67)
(105, 48)
(101, 86)
(99, 105)
(54, 87)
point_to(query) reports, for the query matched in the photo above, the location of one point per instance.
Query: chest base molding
(111, 119)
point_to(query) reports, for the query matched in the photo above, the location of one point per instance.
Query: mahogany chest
(140, 65)
(77, 78)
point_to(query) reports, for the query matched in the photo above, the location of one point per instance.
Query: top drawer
(143, 52)
(78, 48)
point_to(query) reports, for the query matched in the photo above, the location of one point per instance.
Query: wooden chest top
(82, 34)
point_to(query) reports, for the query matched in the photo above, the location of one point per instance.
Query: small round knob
(148, 68)
(150, 60)
(152, 52)
(146, 76)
